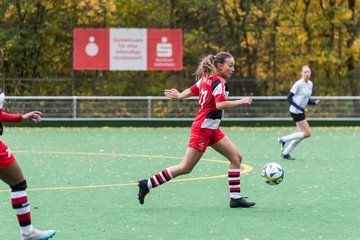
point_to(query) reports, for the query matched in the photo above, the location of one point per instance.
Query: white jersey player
(299, 97)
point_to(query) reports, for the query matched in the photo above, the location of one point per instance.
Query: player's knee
(307, 134)
(237, 160)
(19, 187)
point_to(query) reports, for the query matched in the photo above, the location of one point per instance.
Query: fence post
(74, 107)
(149, 106)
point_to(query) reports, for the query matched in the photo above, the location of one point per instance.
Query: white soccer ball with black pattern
(273, 173)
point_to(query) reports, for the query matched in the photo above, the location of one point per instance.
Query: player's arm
(34, 116)
(7, 117)
(313, 102)
(291, 101)
(229, 104)
(175, 94)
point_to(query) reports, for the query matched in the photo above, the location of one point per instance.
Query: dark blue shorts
(298, 117)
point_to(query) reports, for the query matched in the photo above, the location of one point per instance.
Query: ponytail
(208, 65)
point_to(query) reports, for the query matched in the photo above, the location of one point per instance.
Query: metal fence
(151, 107)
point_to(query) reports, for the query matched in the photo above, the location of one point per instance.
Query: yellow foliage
(355, 49)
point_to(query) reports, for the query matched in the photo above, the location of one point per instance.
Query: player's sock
(159, 178)
(291, 146)
(234, 183)
(21, 207)
(293, 136)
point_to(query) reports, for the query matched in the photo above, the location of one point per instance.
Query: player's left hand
(247, 100)
(34, 116)
(317, 101)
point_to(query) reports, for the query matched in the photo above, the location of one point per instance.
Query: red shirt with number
(210, 91)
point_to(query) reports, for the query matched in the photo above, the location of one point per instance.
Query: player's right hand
(171, 93)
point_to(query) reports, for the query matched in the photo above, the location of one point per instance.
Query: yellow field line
(246, 169)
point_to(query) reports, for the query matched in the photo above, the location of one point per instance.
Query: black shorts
(298, 117)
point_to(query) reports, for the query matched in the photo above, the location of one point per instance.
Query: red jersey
(7, 117)
(210, 91)
(6, 157)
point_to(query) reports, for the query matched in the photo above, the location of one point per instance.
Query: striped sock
(21, 207)
(160, 178)
(234, 183)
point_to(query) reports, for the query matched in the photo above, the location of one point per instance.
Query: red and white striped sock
(21, 207)
(234, 183)
(160, 178)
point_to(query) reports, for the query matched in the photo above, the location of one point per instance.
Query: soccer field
(83, 183)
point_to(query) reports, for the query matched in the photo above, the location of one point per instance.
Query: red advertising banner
(164, 49)
(127, 49)
(91, 49)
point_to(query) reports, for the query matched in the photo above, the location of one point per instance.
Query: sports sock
(234, 183)
(21, 207)
(160, 178)
(291, 146)
(293, 136)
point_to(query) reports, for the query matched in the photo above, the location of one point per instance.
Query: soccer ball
(273, 173)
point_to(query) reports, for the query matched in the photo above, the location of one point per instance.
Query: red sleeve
(7, 117)
(195, 89)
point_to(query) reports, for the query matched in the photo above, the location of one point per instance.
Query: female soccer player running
(299, 98)
(212, 90)
(11, 174)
